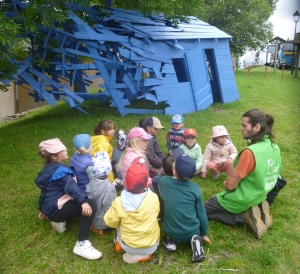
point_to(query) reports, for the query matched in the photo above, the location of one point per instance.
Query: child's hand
(203, 175)
(86, 209)
(229, 161)
(206, 239)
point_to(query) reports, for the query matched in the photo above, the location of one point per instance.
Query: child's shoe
(117, 244)
(59, 227)
(216, 176)
(197, 249)
(118, 184)
(132, 259)
(95, 230)
(87, 251)
(170, 246)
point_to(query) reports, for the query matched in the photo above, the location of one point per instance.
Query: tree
(19, 25)
(245, 20)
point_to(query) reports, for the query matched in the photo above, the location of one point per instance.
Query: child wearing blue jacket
(62, 199)
(81, 161)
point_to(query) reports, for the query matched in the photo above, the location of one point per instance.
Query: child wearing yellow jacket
(134, 215)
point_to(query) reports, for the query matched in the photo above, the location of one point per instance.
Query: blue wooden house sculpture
(186, 66)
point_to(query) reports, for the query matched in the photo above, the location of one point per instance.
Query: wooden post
(282, 72)
(266, 71)
(249, 70)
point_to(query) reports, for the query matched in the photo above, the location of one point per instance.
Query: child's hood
(51, 172)
(132, 202)
(100, 138)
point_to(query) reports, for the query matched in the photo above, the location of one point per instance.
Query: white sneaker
(132, 259)
(87, 251)
(59, 227)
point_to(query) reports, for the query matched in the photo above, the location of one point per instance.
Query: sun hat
(82, 140)
(101, 165)
(52, 146)
(219, 131)
(190, 132)
(154, 122)
(185, 166)
(177, 118)
(121, 139)
(137, 175)
(138, 132)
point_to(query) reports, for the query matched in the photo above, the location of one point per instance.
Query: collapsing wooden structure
(187, 66)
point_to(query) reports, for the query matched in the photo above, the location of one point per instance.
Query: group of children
(153, 186)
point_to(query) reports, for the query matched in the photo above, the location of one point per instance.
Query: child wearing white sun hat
(219, 154)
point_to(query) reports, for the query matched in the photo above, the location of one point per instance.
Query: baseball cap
(138, 132)
(190, 132)
(101, 165)
(177, 118)
(154, 122)
(185, 166)
(137, 175)
(52, 146)
(82, 140)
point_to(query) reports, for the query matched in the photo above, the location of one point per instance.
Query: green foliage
(244, 20)
(29, 245)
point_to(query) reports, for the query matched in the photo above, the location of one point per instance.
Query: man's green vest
(253, 189)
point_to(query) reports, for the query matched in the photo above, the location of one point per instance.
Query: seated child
(81, 161)
(175, 135)
(61, 199)
(134, 215)
(121, 140)
(191, 148)
(100, 190)
(154, 155)
(219, 154)
(184, 213)
(168, 171)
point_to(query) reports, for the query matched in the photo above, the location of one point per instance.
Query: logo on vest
(272, 167)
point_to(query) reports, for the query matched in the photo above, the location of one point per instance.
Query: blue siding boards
(188, 67)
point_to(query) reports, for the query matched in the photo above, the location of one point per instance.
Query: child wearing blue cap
(184, 217)
(81, 161)
(175, 134)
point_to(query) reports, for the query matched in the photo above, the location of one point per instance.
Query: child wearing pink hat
(62, 199)
(219, 154)
(138, 140)
(134, 215)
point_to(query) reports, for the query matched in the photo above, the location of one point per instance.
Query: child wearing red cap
(134, 215)
(191, 148)
(62, 199)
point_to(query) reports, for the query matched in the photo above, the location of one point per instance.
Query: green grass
(28, 245)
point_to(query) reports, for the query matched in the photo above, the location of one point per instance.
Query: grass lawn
(29, 245)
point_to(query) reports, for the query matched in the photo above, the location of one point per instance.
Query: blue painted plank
(100, 37)
(167, 68)
(198, 76)
(154, 81)
(129, 84)
(43, 93)
(71, 93)
(142, 45)
(147, 54)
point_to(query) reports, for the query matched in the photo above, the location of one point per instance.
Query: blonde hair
(133, 143)
(83, 150)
